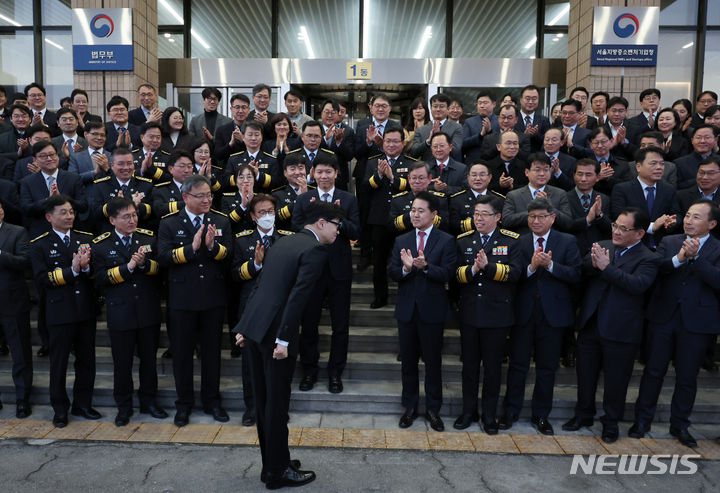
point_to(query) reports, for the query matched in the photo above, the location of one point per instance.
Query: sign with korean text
(358, 71)
(625, 36)
(102, 39)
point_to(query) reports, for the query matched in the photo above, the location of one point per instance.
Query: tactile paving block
(75, 430)
(8, 424)
(709, 449)
(153, 432)
(364, 438)
(449, 441)
(627, 446)
(109, 432)
(666, 446)
(236, 435)
(536, 444)
(321, 437)
(583, 445)
(31, 428)
(406, 439)
(196, 434)
(494, 444)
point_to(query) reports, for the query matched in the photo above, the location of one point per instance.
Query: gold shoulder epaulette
(375, 156)
(164, 152)
(105, 178)
(162, 184)
(229, 194)
(438, 194)
(101, 237)
(458, 193)
(218, 212)
(278, 188)
(312, 186)
(498, 194)
(285, 233)
(216, 167)
(326, 150)
(145, 231)
(169, 214)
(142, 178)
(244, 233)
(400, 194)
(135, 150)
(511, 234)
(411, 158)
(269, 155)
(41, 236)
(236, 153)
(83, 232)
(295, 150)
(466, 234)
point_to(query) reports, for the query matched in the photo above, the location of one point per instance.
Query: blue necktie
(197, 222)
(66, 240)
(650, 198)
(528, 121)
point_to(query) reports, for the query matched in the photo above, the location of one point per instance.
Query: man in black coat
(448, 176)
(120, 133)
(703, 141)
(590, 209)
(126, 272)
(270, 328)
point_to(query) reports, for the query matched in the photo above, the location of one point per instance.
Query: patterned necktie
(311, 157)
(50, 181)
(71, 143)
(650, 198)
(651, 120)
(421, 247)
(528, 121)
(266, 241)
(122, 130)
(585, 201)
(197, 222)
(379, 128)
(326, 197)
(66, 240)
(124, 189)
(392, 162)
(127, 242)
(619, 252)
(485, 239)
(541, 242)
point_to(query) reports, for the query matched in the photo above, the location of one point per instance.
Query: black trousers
(547, 341)
(271, 382)
(488, 345)
(17, 335)
(248, 395)
(123, 344)
(382, 242)
(416, 336)
(671, 341)
(190, 329)
(616, 360)
(338, 296)
(79, 336)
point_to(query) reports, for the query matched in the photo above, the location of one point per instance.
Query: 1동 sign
(358, 71)
(102, 39)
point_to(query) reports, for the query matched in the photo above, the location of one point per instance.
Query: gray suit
(198, 122)
(58, 143)
(81, 164)
(515, 213)
(669, 175)
(422, 151)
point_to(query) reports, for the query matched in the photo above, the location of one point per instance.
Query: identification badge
(218, 232)
(145, 249)
(500, 250)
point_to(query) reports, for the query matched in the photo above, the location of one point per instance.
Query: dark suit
(454, 175)
(59, 141)
(611, 326)
(462, 209)
(687, 168)
(490, 151)
(136, 116)
(517, 172)
(15, 306)
(34, 192)
(422, 308)
(70, 316)
(567, 167)
(196, 302)
(639, 123)
(472, 140)
(344, 154)
(132, 301)
(184, 141)
(11, 202)
(515, 212)
(544, 308)
(286, 197)
(486, 314)
(9, 151)
(685, 199)
(587, 234)
(399, 218)
(621, 174)
(274, 310)
(82, 165)
(684, 316)
(627, 149)
(112, 136)
(543, 124)
(631, 194)
(106, 189)
(267, 128)
(679, 147)
(580, 143)
(222, 138)
(334, 283)
(269, 174)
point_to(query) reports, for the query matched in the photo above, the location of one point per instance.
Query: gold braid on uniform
(284, 213)
(437, 220)
(158, 173)
(466, 224)
(222, 252)
(234, 216)
(114, 275)
(56, 277)
(178, 255)
(245, 271)
(403, 184)
(464, 274)
(502, 272)
(154, 268)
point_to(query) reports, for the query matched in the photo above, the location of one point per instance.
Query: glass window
(16, 60)
(57, 65)
(557, 13)
(676, 64)
(16, 13)
(494, 29)
(231, 29)
(711, 79)
(679, 12)
(319, 29)
(56, 13)
(170, 45)
(713, 13)
(555, 45)
(400, 29)
(170, 12)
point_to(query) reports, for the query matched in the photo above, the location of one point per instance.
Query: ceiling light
(530, 43)
(167, 35)
(688, 45)
(9, 20)
(560, 15)
(303, 35)
(423, 41)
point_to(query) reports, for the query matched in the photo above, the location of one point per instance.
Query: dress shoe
(248, 417)
(182, 418)
(154, 410)
(167, 354)
(23, 410)
(576, 423)
(709, 366)
(610, 433)
(123, 418)
(378, 303)
(506, 421)
(308, 382)
(335, 385)
(638, 430)
(489, 426)
(465, 420)
(542, 425)
(85, 412)
(235, 351)
(568, 360)
(684, 436)
(435, 422)
(43, 352)
(4, 349)
(291, 477)
(407, 419)
(219, 414)
(294, 463)
(60, 420)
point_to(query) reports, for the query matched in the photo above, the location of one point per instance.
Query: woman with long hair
(419, 116)
(670, 126)
(175, 132)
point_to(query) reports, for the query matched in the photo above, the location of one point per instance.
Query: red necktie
(421, 247)
(540, 241)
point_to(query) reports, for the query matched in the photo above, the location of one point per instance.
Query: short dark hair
(580, 89)
(441, 134)
(211, 91)
(34, 84)
(64, 100)
(293, 159)
(261, 197)
(529, 87)
(118, 204)
(311, 123)
(600, 93)
(120, 151)
(714, 214)
(91, 125)
(294, 92)
(330, 102)
(537, 157)
(193, 181)
(653, 134)
(62, 111)
(686, 104)
(418, 165)
(431, 199)
(618, 100)
(18, 96)
(54, 201)
(641, 219)
(149, 86)
(649, 91)
(326, 159)
(706, 125)
(116, 100)
(35, 129)
(641, 154)
(710, 160)
(254, 125)
(588, 161)
(39, 146)
(712, 110)
(20, 107)
(485, 94)
(241, 97)
(198, 142)
(572, 102)
(600, 130)
(395, 129)
(495, 203)
(440, 98)
(177, 154)
(148, 125)
(245, 166)
(712, 94)
(380, 95)
(322, 210)
(541, 204)
(261, 87)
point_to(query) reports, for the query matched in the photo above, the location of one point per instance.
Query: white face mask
(267, 221)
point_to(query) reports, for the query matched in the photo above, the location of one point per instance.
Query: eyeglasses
(261, 96)
(336, 223)
(202, 152)
(482, 174)
(97, 134)
(48, 155)
(541, 217)
(507, 117)
(128, 217)
(201, 196)
(707, 101)
(439, 106)
(236, 107)
(393, 141)
(485, 214)
(708, 173)
(263, 212)
(383, 106)
(67, 119)
(621, 228)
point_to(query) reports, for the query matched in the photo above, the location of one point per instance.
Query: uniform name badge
(500, 250)
(218, 232)
(145, 249)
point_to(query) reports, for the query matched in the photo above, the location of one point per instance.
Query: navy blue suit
(611, 320)
(543, 124)
(112, 136)
(472, 140)
(567, 166)
(684, 316)
(543, 309)
(421, 310)
(687, 168)
(34, 192)
(581, 143)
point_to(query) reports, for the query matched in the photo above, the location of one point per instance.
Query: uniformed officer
(488, 270)
(462, 203)
(167, 196)
(61, 265)
(151, 161)
(266, 166)
(122, 184)
(248, 255)
(125, 269)
(386, 175)
(295, 172)
(195, 243)
(419, 180)
(237, 204)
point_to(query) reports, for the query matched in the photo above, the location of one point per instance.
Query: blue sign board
(625, 36)
(102, 39)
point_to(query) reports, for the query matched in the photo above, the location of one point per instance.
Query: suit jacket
(363, 151)
(691, 288)
(14, 260)
(617, 293)
(472, 140)
(687, 167)
(631, 194)
(489, 150)
(421, 150)
(184, 142)
(679, 147)
(669, 175)
(59, 141)
(515, 213)
(517, 172)
(340, 251)
(112, 136)
(454, 175)
(381, 190)
(11, 202)
(641, 124)
(567, 166)
(281, 293)
(198, 122)
(82, 165)
(626, 151)
(685, 199)
(587, 234)
(399, 221)
(554, 289)
(543, 123)
(9, 151)
(622, 174)
(136, 116)
(424, 290)
(34, 192)
(343, 152)
(267, 128)
(222, 138)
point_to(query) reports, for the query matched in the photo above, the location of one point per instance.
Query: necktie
(127, 242)
(528, 121)
(507, 168)
(50, 181)
(266, 241)
(421, 247)
(619, 252)
(651, 120)
(379, 129)
(197, 222)
(124, 189)
(122, 129)
(585, 200)
(535, 193)
(311, 157)
(392, 162)
(541, 242)
(485, 239)
(71, 143)
(326, 197)
(94, 153)
(66, 240)
(650, 198)
(442, 166)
